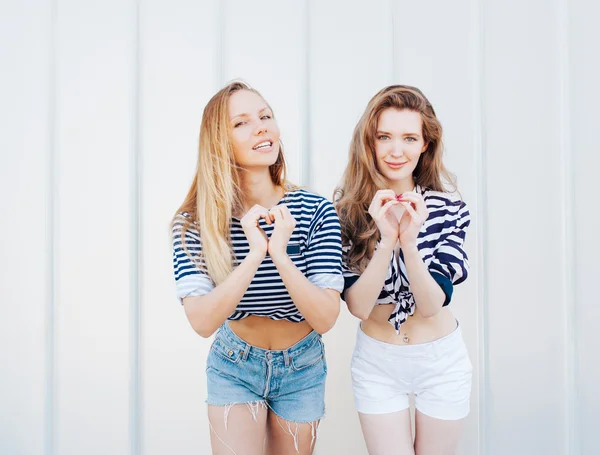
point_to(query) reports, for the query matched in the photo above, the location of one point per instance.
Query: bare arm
(207, 313)
(429, 296)
(320, 307)
(362, 295)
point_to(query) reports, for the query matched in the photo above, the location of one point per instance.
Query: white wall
(100, 106)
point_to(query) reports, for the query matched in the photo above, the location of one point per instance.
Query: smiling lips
(396, 165)
(263, 146)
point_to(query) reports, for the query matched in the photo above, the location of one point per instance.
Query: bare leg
(238, 429)
(436, 436)
(387, 434)
(289, 438)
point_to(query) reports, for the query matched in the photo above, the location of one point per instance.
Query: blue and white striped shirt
(315, 247)
(440, 243)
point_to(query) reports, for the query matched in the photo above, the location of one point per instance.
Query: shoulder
(184, 220)
(445, 209)
(445, 203)
(305, 200)
(305, 196)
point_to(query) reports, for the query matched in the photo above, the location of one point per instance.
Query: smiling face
(254, 131)
(399, 144)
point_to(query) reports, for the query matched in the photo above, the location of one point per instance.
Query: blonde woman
(403, 237)
(258, 261)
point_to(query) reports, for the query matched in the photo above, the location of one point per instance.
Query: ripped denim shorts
(290, 382)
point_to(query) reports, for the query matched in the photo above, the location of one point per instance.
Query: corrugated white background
(100, 106)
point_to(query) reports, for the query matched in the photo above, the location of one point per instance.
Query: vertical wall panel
(445, 70)
(263, 45)
(179, 44)
(585, 101)
(523, 175)
(94, 137)
(349, 62)
(25, 210)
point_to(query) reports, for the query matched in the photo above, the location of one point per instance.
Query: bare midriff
(268, 333)
(416, 330)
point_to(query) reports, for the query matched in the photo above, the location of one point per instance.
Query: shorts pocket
(226, 352)
(309, 357)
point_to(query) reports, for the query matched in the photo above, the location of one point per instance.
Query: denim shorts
(290, 382)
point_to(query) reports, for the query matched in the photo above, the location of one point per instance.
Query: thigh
(290, 438)
(443, 384)
(238, 429)
(298, 392)
(436, 436)
(387, 434)
(380, 385)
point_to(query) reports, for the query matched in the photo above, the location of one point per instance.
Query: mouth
(264, 146)
(395, 165)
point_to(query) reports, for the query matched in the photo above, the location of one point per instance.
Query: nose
(261, 128)
(397, 149)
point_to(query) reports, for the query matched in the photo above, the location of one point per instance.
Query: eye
(411, 139)
(238, 124)
(266, 117)
(383, 137)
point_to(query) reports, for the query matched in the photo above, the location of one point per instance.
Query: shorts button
(230, 353)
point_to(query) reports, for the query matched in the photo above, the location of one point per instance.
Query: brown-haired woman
(402, 235)
(258, 261)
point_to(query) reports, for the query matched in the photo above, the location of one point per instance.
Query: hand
(284, 226)
(386, 221)
(257, 239)
(413, 218)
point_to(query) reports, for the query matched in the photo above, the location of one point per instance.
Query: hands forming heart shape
(398, 217)
(258, 241)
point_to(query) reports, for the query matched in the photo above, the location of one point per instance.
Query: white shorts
(438, 373)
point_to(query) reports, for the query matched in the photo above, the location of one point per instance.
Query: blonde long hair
(362, 179)
(215, 193)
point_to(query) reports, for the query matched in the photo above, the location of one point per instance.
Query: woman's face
(254, 131)
(398, 146)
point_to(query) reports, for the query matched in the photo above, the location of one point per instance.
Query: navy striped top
(440, 243)
(315, 247)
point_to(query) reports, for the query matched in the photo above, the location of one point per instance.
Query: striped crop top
(440, 243)
(315, 247)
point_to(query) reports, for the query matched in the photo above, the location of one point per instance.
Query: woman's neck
(403, 186)
(260, 189)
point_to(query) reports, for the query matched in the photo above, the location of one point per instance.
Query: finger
(264, 214)
(384, 195)
(257, 209)
(418, 203)
(409, 208)
(406, 198)
(386, 207)
(380, 198)
(287, 215)
(277, 215)
(267, 217)
(273, 210)
(413, 197)
(255, 213)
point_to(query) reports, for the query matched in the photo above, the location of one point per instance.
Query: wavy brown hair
(362, 179)
(215, 193)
